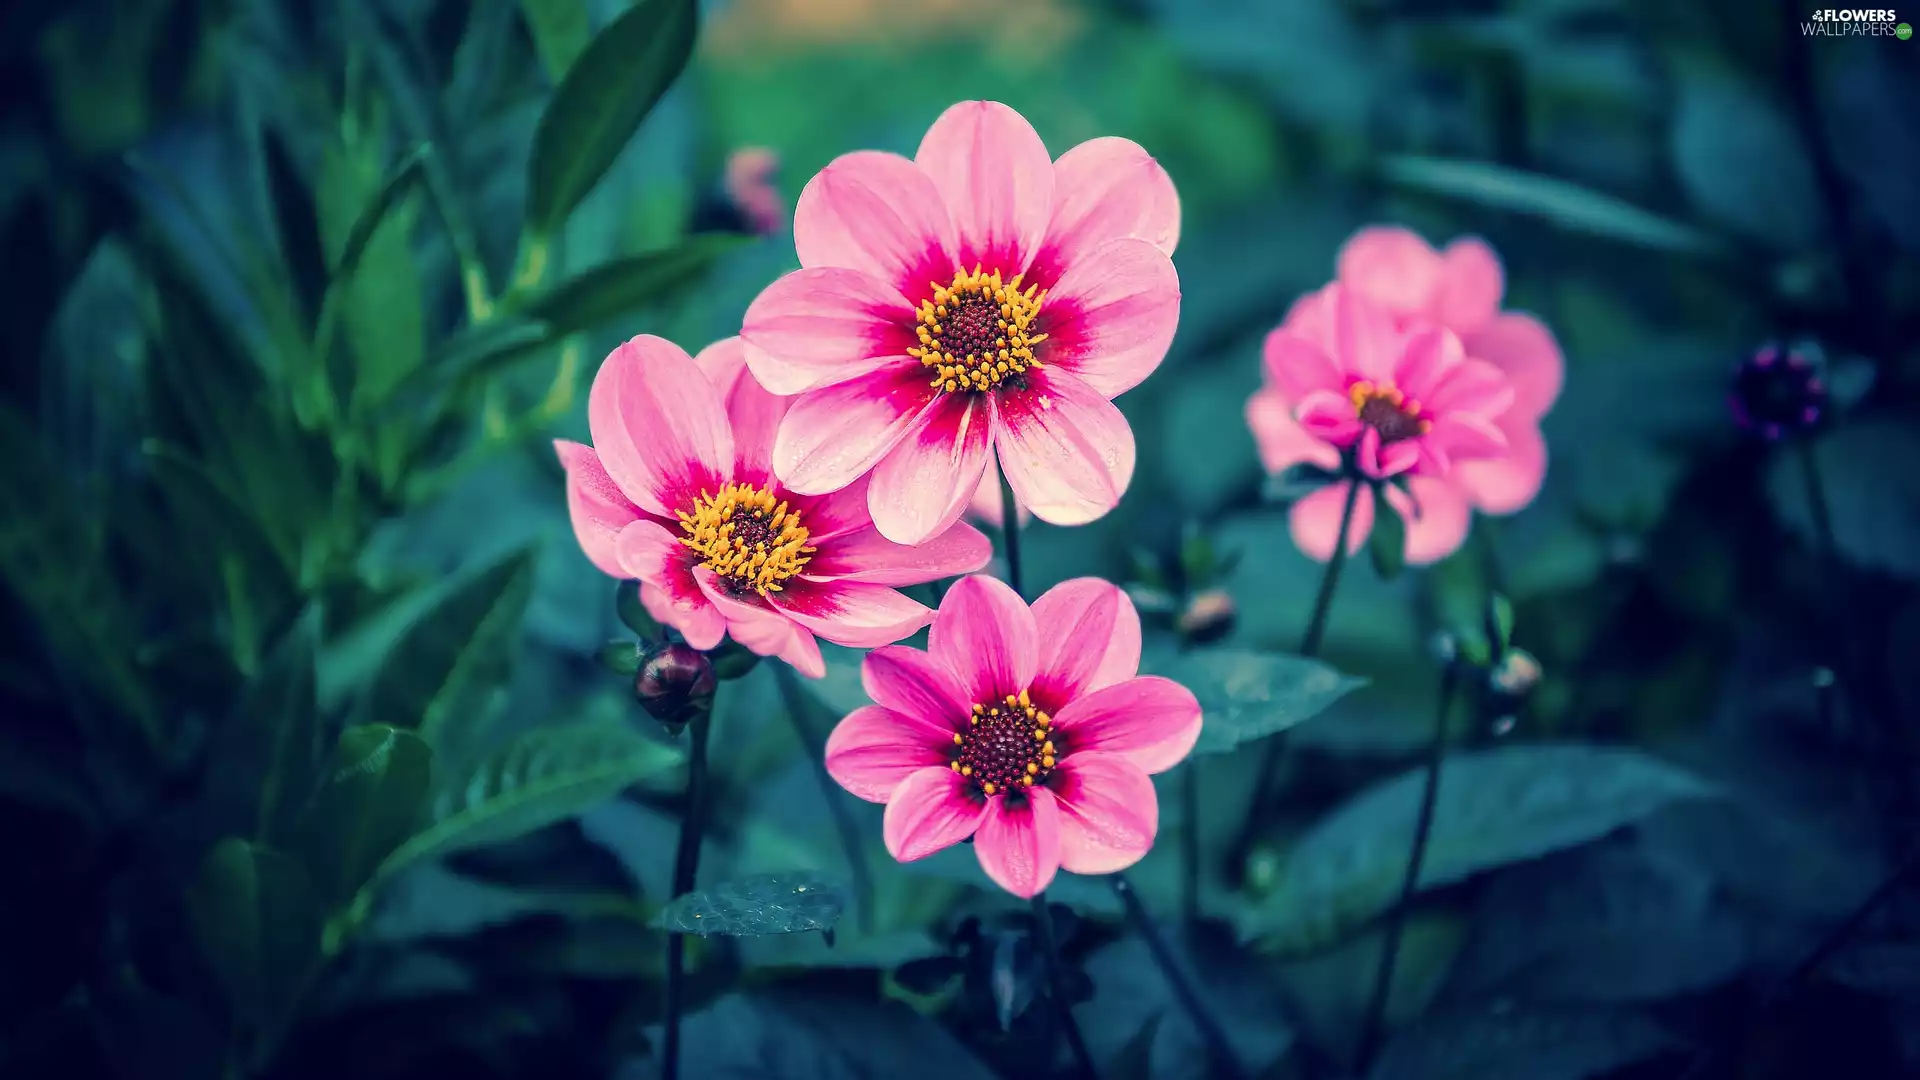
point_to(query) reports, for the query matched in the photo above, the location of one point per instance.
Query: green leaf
(1333, 990)
(620, 656)
(1743, 164)
(1569, 206)
(1500, 618)
(601, 102)
(279, 720)
(1530, 1044)
(820, 1033)
(750, 907)
(475, 353)
(397, 186)
(453, 651)
(296, 220)
(1233, 985)
(257, 921)
(545, 776)
(375, 292)
(611, 290)
(366, 808)
(559, 30)
(1387, 544)
(1246, 695)
(1875, 525)
(1135, 1059)
(1196, 557)
(1495, 807)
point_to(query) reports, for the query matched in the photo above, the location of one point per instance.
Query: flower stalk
(1056, 988)
(843, 823)
(686, 865)
(1371, 1026)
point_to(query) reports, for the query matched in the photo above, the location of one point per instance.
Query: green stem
(1056, 988)
(843, 823)
(1376, 1015)
(1010, 532)
(1269, 774)
(686, 865)
(1226, 1063)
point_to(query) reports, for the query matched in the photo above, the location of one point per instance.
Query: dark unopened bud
(1516, 674)
(1208, 616)
(675, 684)
(1777, 392)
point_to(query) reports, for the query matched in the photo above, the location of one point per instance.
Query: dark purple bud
(675, 684)
(1777, 394)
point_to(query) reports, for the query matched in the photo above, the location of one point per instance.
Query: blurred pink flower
(1027, 729)
(1398, 288)
(677, 492)
(749, 186)
(980, 300)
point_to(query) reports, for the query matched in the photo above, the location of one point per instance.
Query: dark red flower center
(1386, 410)
(978, 331)
(1007, 745)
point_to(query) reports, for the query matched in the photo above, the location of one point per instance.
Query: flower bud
(675, 684)
(1516, 674)
(1208, 616)
(1777, 392)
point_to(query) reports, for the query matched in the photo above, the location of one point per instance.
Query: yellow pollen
(747, 537)
(977, 333)
(1383, 407)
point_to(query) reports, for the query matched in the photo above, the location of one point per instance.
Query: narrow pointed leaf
(257, 921)
(366, 807)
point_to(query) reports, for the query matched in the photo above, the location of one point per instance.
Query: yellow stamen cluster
(747, 537)
(978, 331)
(1384, 408)
(1008, 744)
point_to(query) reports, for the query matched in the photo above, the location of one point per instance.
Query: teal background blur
(249, 502)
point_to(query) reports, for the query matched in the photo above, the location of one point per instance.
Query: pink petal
(851, 613)
(1111, 316)
(1442, 522)
(1105, 189)
(803, 652)
(834, 514)
(1065, 449)
(930, 810)
(878, 213)
(924, 483)
(1381, 460)
(1109, 812)
(1428, 356)
(595, 505)
(1280, 439)
(1504, 484)
(833, 436)
(1523, 348)
(997, 180)
(1464, 437)
(1151, 721)
(1470, 386)
(1298, 367)
(1391, 267)
(985, 635)
(724, 362)
(813, 328)
(1019, 842)
(915, 684)
(868, 556)
(1471, 284)
(1329, 417)
(1364, 341)
(658, 425)
(1315, 521)
(750, 620)
(873, 749)
(649, 552)
(1089, 636)
(753, 413)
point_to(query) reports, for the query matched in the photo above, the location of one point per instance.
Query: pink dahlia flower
(1027, 729)
(981, 300)
(676, 491)
(1433, 383)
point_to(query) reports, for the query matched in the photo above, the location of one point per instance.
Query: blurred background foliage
(307, 768)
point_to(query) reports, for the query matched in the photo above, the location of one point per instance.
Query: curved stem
(1370, 1029)
(1269, 774)
(843, 823)
(1056, 988)
(1225, 1062)
(686, 865)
